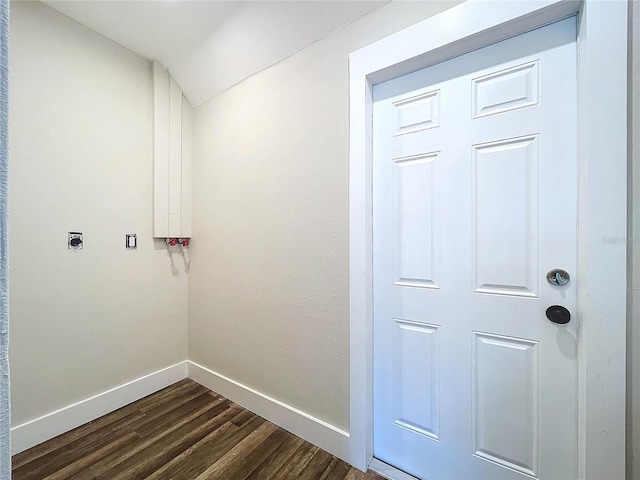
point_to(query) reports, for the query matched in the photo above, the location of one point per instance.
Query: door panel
(474, 201)
(416, 255)
(416, 351)
(506, 410)
(499, 92)
(417, 113)
(505, 186)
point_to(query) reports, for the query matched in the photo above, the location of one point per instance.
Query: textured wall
(633, 331)
(269, 288)
(5, 410)
(269, 284)
(81, 160)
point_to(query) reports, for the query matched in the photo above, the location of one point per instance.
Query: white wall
(268, 287)
(268, 295)
(81, 160)
(633, 303)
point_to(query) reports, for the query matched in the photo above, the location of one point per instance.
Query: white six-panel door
(474, 201)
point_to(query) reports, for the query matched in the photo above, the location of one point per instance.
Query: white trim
(328, 437)
(387, 471)
(36, 431)
(602, 101)
(602, 131)
(316, 431)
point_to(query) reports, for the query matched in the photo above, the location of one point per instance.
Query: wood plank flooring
(183, 432)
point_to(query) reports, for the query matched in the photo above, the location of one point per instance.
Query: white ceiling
(211, 45)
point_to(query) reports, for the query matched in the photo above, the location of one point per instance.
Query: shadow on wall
(172, 253)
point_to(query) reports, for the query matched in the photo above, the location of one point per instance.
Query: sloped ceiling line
(210, 46)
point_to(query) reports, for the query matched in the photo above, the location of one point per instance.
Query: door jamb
(602, 150)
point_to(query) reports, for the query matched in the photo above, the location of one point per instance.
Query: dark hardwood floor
(183, 432)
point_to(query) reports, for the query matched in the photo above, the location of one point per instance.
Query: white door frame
(602, 138)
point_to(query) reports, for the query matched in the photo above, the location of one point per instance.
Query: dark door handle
(558, 314)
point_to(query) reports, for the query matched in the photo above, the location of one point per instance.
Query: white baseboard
(313, 430)
(36, 431)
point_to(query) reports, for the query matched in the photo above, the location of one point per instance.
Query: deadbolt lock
(558, 277)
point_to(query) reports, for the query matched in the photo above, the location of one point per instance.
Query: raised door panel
(509, 89)
(414, 114)
(416, 377)
(416, 236)
(505, 217)
(506, 407)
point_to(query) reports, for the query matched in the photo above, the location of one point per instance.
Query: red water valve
(172, 242)
(184, 242)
